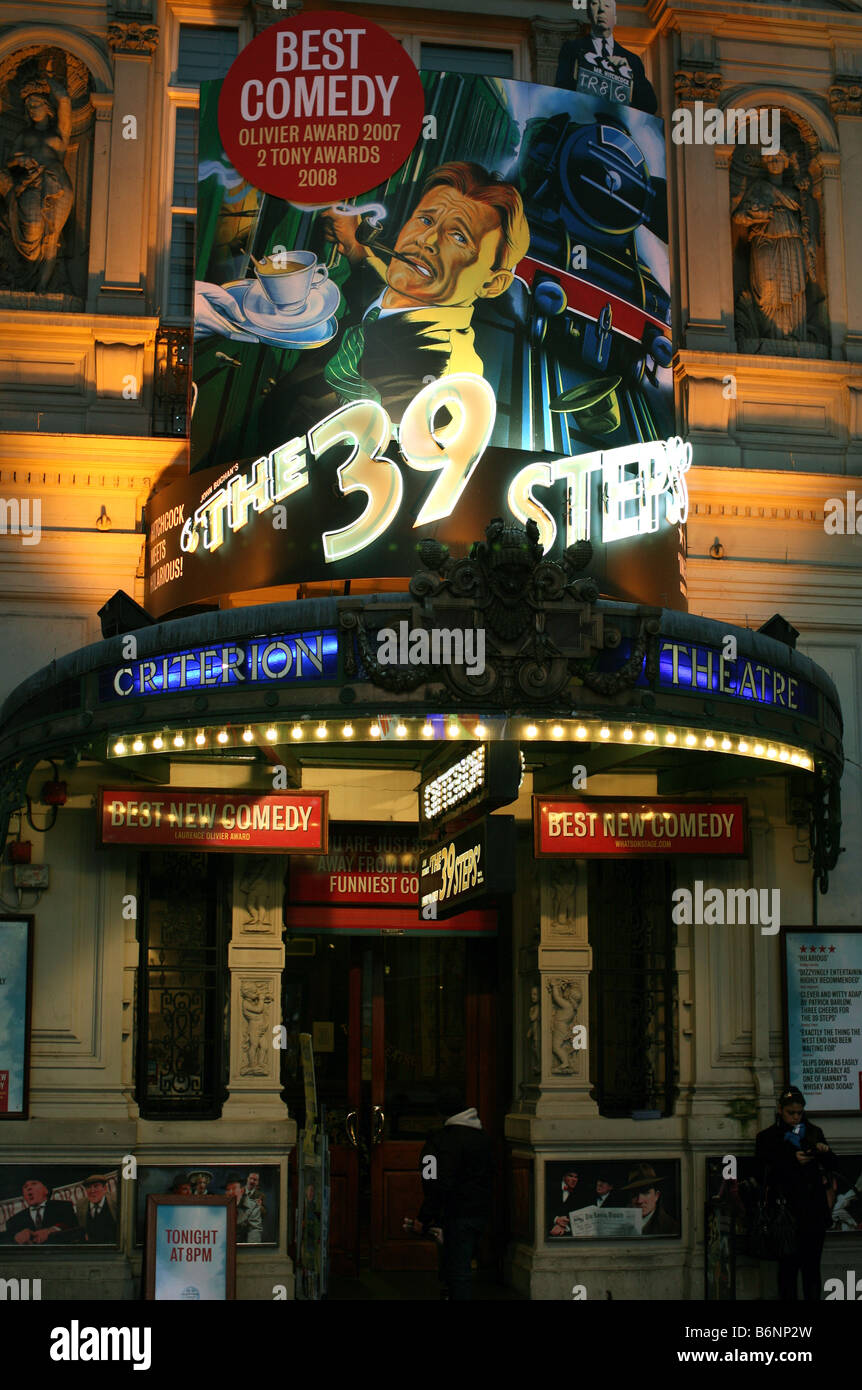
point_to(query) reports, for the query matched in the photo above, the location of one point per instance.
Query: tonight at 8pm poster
(514, 268)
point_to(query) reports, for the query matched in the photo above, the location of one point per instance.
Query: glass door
(396, 1020)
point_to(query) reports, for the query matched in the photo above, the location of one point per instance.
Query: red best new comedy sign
(289, 823)
(652, 826)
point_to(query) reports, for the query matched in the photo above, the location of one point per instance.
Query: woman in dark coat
(794, 1161)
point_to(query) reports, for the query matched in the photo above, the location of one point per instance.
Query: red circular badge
(320, 107)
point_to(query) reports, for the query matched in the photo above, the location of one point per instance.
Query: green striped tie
(340, 371)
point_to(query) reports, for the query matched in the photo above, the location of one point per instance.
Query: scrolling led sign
(489, 775)
(294, 657)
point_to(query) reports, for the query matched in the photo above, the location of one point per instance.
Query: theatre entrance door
(394, 1020)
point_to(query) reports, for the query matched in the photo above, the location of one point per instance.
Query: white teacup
(287, 279)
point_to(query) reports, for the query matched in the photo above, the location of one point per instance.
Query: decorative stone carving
(133, 37)
(256, 1037)
(541, 629)
(561, 898)
(566, 998)
(46, 124)
(845, 97)
(256, 888)
(779, 263)
(534, 1032)
(696, 84)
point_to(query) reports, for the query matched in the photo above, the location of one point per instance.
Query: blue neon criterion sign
(292, 657)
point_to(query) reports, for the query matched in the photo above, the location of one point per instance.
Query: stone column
(565, 962)
(255, 960)
(132, 46)
(845, 101)
(763, 972)
(103, 104)
(707, 293)
(838, 286)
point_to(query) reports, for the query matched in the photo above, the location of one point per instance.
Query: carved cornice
(133, 37)
(845, 97)
(829, 164)
(724, 156)
(696, 84)
(103, 105)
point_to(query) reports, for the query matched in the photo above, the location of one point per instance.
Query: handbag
(774, 1232)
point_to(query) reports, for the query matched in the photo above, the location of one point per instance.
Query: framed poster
(191, 1249)
(823, 1016)
(16, 985)
(624, 1199)
(255, 1189)
(49, 1206)
(551, 335)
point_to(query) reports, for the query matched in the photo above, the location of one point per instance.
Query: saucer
(312, 336)
(322, 302)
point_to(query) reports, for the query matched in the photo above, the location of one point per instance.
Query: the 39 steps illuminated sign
(259, 526)
(468, 868)
(635, 477)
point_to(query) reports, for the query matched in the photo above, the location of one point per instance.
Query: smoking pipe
(367, 234)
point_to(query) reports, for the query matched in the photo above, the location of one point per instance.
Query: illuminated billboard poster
(485, 332)
(823, 983)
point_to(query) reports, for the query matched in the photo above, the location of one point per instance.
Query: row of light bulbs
(596, 731)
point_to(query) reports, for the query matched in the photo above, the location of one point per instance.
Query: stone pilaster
(547, 37)
(255, 961)
(839, 286)
(565, 962)
(132, 44)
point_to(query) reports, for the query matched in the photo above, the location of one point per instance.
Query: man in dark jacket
(794, 1159)
(97, 1213)
(457, 1167)
(42, 1218)
(600, 53)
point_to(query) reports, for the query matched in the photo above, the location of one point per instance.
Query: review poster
(15, 994)
(500, 302)
(191, 1248)
(823, 971)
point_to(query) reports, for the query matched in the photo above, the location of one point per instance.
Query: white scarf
(466, 1117)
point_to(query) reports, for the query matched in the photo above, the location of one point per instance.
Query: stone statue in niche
(256, 1032)
(254, 887)
(566, 997)
(562, 898)
(46, 121)
(776, 222)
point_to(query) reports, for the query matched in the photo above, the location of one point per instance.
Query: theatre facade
(428, 723)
